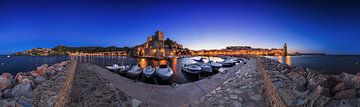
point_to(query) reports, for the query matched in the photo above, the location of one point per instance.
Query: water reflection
(286, 59)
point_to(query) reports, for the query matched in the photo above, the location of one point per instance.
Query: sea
(329, 64)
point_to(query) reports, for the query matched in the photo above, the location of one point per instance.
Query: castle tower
(285, 50)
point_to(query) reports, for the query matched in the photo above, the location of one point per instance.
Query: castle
(157, 47)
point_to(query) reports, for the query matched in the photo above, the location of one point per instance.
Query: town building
(243, 50)
(157, 47)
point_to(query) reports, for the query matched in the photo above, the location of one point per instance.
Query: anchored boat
(164, 72)
(134, 71)
(148, 72)
(192, 68)
(113, 68)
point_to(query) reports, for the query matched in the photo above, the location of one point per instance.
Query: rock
(40, 79)
(321, 91)
(301, 71)
(22, 89)
(64, 63)
(353, 102)
(256, 97)
(26, 80)
(356, 81)
(135, 103)
(50, 73)
(234, 97)
(7, 93)
(21, 102)
(5, 83)
(1, 95)
(9, 103)
(315, 80)
(345, 94)
(339, 87)
(297, 79)
(236, 104)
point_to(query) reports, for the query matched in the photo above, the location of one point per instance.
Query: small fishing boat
(148, 72)
(215, 65)
(228, 63)
(206, 67)
(113, 68)
(134, 71)
(199, 60)
(192, 68)
(123, 69)
(8, 56)
(164, 72)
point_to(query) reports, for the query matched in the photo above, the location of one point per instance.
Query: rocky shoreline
(306, 87)
(26, 88)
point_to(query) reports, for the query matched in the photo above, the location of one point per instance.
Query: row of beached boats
(209, 67)
(164, 72)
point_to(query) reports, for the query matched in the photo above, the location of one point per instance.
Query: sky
(331, 26)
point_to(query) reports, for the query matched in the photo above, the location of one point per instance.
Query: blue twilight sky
(307, 26)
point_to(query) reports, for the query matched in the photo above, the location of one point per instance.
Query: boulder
(301, 71)
(321, 91)
(356, 81)
(353, 102)
(7, 93)
(5, 83)
(339, 87)
(20, 76)
(26, 80)
(22, 89)
(63, 63)
(7, 75)
(40, 79)
(21, 102)
(315, 80)
(297, 78)
(1, 96)
(345, 94)
(58, 67)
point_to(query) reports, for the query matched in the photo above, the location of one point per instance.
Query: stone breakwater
(295, 86)
(90, 89)
(244, 88)
(39, 87)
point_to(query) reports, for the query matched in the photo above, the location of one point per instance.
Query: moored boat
(164, 72)
(134, 71)
(215, 65)
(148, 72)
(228, 63)
(113, 68)
(192, 68)
(205, 67)
(123, 69)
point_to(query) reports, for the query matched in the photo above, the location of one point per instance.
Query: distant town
(156, 46)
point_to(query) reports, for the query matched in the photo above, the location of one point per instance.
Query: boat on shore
(123, 69)
(205, 67)
(135, 71)
(164, 72)
(228, 63)
(148, 72)
(215, 65)
(113, 68)
(192, 68)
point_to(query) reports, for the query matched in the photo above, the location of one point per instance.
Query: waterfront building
(114, 53)
(157, 47)
(242, 50)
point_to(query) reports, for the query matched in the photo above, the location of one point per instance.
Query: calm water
(330, 64)
(16, 64)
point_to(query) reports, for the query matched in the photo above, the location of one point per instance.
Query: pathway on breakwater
(89, 89)
(164, 95)
(243, 89)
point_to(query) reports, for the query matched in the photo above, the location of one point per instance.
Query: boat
(206, 67)
(123, 69)
(113, 68)
(199, 60)
(215, 65)
(8, 56)
(148, 72)
(192, 68)
(164, 72)
(228, 63)
(134, 71)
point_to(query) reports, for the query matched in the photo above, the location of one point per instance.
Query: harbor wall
(64, 93)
